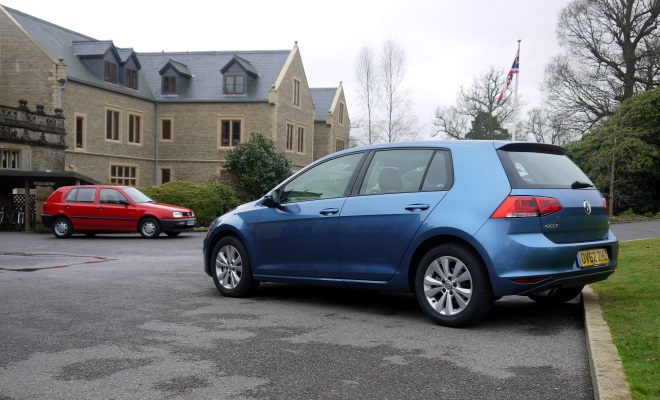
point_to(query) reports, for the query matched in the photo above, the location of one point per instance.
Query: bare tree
(550, 127)
(400, 122)
(367, 74)
(612, 51)
(384, 98)
(474, 105)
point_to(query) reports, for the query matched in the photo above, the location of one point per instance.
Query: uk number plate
(191, 222)
(592, 258)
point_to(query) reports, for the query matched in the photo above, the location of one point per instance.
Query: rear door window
(81, 195)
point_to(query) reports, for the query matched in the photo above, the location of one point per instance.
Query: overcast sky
(447, 42)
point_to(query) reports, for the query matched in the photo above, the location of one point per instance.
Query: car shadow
(518, 312)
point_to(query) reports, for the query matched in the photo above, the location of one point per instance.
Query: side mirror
(272, 199)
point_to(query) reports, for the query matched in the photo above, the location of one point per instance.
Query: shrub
(258, 165)
(208, 200)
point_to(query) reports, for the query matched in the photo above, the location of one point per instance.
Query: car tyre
(172, 234)
(556, 296)
(62, 228)
(231, 270)
(149, 228)
(452, 286)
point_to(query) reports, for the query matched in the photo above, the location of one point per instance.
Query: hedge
(208, 200)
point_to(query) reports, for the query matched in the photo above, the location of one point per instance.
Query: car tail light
(607, 208)
(527, 206)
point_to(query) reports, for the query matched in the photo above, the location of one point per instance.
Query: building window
(110, 72)
(166, 129)
(80, 132)
(165, 175)
(340, 144)
(341, 113)
(112, 125)
(234, 84)
(132, 78)
(169, 84)
(230, 132)
(289, 137)
(134, 128)
(301, 140)
(296, 92)
(123, 175)
(11, 159)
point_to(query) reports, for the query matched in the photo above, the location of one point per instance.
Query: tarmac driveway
(120, 317)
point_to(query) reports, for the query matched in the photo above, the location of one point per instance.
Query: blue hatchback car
(458, 223)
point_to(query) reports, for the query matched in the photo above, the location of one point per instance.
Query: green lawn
(630, 300)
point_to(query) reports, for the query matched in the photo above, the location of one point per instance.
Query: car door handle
(329, 211)
(99, 208)
(417, 207)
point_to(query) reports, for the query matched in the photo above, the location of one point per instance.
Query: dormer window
(169, 84)
(131, 78)
(234, 84)
(110, 72)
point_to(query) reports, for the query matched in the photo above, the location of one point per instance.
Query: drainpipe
(157, 140)
(59, 92)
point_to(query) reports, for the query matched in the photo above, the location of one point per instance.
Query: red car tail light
(607, 208)
(527, 206)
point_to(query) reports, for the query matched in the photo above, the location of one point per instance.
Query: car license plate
(191, 222)
(592, 258)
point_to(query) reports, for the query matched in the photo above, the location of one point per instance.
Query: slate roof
(322, 99)
(205, 85)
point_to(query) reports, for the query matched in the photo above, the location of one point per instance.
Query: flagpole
(515, 100)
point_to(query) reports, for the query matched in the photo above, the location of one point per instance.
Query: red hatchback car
(104, 208)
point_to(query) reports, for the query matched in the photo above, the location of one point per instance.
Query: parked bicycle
(11, 220)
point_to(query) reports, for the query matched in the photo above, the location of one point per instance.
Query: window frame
(289, 136)
(296, 92)
(80, 131)
(171, 129)
(343, 144)
(168, 84)
(10, 158)
(115, 130)
(134, 135)
(341, 113)
(122, 179)
(300, 140)
(110, 71)
(161, 174)
(234, 85)
(232, 123)
(131, 78)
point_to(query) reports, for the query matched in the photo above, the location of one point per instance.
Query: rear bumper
(177, 225)
(47, 220)
(532, 255)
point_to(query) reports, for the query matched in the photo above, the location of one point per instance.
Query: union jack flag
(514, 70)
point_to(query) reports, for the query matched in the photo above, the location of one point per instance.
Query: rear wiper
(580, 185)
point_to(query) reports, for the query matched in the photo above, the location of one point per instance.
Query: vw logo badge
(587, 207)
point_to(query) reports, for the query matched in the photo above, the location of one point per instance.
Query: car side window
(71, 196)
(81, 195)
(324, 181)
(396, 171)
(111, 196)
(438, 176)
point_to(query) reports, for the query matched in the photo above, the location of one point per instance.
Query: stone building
(147, 118)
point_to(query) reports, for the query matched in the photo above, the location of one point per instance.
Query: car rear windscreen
(527, 169)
